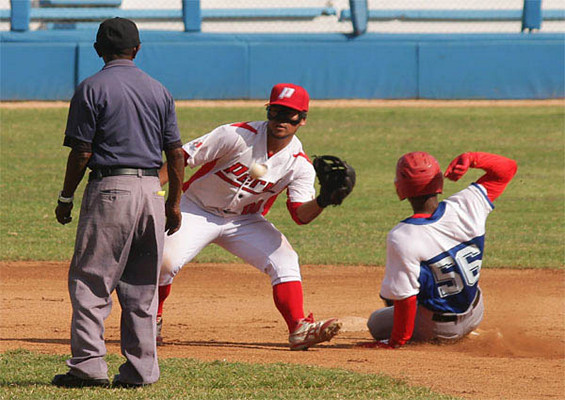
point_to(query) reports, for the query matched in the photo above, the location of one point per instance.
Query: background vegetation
(526, 229)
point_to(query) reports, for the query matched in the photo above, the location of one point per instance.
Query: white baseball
(258, 170)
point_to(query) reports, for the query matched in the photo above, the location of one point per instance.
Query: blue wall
(47, 65)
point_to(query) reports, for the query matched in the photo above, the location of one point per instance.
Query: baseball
(258, 170)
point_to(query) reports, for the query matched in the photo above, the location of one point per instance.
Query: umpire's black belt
(439, 317)
(103, 172)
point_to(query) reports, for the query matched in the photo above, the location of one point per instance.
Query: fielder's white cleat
(159, 337)
(308, 332)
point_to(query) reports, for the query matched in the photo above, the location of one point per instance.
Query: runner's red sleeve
(404, 319)
(499, 172)
(292, 207)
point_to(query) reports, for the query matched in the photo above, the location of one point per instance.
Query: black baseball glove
(336, 178)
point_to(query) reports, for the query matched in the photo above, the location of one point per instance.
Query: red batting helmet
(290, 95)
(418, 174)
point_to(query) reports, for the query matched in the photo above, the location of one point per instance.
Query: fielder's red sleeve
(499, 172)
(292, 209)
(404, 319)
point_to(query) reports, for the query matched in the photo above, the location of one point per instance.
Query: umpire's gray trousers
(119, 246)
(429, 325)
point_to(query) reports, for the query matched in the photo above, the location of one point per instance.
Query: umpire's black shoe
(72, 381)
(125, 385)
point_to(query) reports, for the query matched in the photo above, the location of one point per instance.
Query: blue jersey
(439, 258)
(449, 281)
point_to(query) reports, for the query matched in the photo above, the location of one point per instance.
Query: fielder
(434, 257)
(243, 168)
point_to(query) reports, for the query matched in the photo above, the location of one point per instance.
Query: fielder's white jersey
(439, 258)
(223, 185)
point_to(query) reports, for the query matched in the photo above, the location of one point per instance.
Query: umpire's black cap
(117, 34)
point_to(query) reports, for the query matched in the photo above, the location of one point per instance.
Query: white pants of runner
(250, 237)
(425, 328)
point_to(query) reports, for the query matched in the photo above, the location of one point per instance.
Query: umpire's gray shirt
(123, 117)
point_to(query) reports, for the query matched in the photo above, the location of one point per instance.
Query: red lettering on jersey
(268, 187)
(243, 178)
(244, 125)
(237, 169)
(252, 208)
(255, 182)
(197, 145)
(228, 180)
(234, 183)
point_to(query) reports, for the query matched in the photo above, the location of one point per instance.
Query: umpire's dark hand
(173, 219)
(63, 213)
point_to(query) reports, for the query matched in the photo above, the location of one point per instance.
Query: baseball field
(225, 339)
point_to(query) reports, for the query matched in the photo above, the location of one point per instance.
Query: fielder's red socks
(164, 292)
(289, 300)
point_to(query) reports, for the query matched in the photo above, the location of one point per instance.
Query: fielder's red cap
(289, 95)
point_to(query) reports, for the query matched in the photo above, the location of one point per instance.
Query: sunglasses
(284, 116)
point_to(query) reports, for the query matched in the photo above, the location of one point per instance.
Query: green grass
(525, 230)
(27, 375)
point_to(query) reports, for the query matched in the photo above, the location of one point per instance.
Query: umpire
(120, 121)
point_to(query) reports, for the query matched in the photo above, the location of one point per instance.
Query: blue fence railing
(22, 12)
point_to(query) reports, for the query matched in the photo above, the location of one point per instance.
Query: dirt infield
(226, 312)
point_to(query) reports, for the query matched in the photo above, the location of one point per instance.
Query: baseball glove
(336, 178)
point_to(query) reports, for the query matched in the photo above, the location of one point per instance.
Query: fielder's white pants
(250, 237)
